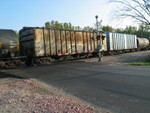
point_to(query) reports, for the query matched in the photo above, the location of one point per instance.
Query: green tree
(17, 33)
(119, 30)
(52, 23)
(47, 25)
(88, 28)
(130, 30)
(66, 26)
(77, 28)
(107, 28)
(143, 31)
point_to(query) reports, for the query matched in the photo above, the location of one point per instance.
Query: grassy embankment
(141, 63)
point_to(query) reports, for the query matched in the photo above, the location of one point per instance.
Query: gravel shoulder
(140, 56)
(32, 96)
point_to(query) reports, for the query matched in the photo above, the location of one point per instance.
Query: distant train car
(41, 42)
(119, 41)
(143, 43)
(8, 43)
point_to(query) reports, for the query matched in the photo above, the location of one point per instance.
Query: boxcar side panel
(68, 41)
(95, 42)
(85, 41)
(63, 40)
(131, 41)
(109, 41)
(118, 41)
(46, 43)
(39, 43)
(79, 42)
(89, 41)
(58, 41)
(52, 42)
(73, 42)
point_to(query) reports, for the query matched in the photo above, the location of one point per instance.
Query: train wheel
(36, 62)
(18, 62)
(46, 60)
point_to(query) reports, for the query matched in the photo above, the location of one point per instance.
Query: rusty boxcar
(44, 42)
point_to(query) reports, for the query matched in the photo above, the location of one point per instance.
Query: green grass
(140, 63)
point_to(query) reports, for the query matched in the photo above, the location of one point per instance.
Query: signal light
(98, 37)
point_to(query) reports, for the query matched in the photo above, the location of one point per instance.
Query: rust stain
(73, 46)
(53, 46)
(58, 41)
(68, 41)
(1, 44)
(38, 34)
(63, 39)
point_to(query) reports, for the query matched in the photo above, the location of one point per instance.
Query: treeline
(67, 26)
(56, 24)
(142, 31)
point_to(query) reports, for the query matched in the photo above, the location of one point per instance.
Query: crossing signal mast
(98, 24)
(100, 47)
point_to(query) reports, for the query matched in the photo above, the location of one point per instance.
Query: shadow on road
(6, 75)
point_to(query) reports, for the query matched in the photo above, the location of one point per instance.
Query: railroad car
(143, 43)
(8, 43)
(120, 42)
(46, 42)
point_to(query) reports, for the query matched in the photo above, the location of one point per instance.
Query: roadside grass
(140, 63)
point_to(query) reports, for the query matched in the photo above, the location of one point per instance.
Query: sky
(15, 14)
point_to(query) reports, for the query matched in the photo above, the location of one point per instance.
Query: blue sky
(15, 14)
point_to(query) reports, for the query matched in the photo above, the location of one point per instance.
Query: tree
(52, 23)
(107, 28)
(139, 10)
(58, 25)
(88, 28)
(119, 30)
(17, 33)
(130, 30)
(47, 25)
(66, 26)
(143, 31)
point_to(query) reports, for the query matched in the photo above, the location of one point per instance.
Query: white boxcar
(120, 41)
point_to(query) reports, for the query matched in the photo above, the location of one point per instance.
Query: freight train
(41, 45)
